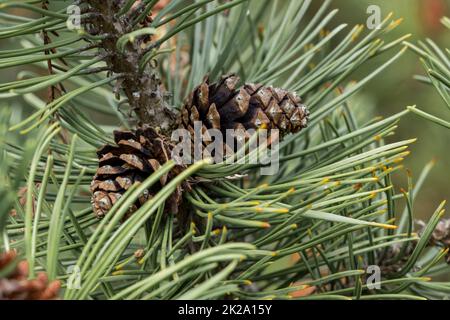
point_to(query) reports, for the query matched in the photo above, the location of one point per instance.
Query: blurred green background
(395, 89)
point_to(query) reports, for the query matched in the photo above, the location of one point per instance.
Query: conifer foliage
(95, 90)
(436, 62)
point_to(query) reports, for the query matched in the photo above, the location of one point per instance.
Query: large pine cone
(136, 156)
(15, 286)
(222, 106)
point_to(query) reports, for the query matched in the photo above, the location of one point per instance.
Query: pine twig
(142, 87)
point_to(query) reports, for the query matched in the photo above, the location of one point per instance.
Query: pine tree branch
(142, 87)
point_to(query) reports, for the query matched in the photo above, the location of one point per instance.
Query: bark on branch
(142, 87)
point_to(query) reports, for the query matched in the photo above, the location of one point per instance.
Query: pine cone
(222, 106)
(15, 285)
(440, 235)
(389, 262)
(136, 156)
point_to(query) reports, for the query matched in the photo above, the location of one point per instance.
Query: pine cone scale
(213, 117)
(236, 107)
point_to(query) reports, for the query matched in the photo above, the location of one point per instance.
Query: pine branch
(436, 62)
(141, 86)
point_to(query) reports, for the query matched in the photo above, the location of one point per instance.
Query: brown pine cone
(223, 106)
(137, 155)
(440, 235)
(389, 263)
(14, 284)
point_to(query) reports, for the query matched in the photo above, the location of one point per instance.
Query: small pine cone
(15, 285)
(223, 106)
(136, 155)
(440, 235)
(391, 262)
